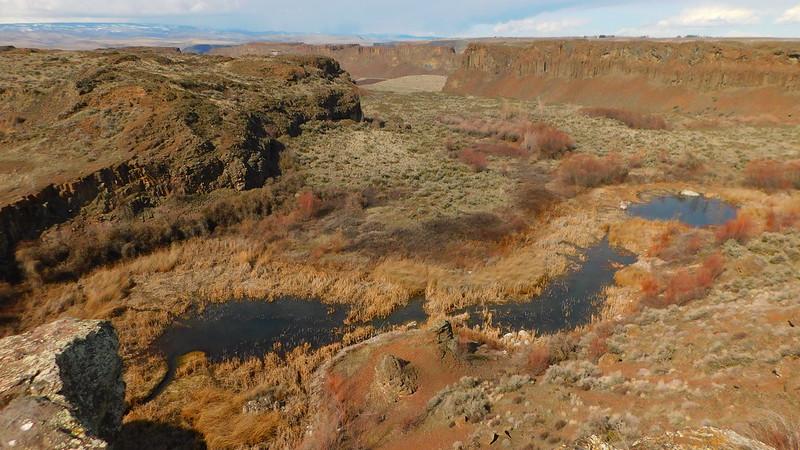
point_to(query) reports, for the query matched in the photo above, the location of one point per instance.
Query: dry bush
(780, 220)
(631, 119)
(590, 171)
(548, 142)
(307, 205)
(776, 431)
(685, 285)
(740, 229)
(650, 288)
(476, 160)
(538, 359)
(771, 174)
(534, 199)
(597, 346)
(674, 245)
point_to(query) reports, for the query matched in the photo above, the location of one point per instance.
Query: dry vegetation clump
(586, 170)
(500, 149)
(546, 141)
(779, 432)
(69, 253)
(541, 139)
(475, 159)
(740, 229)
(674, 244)
(771, 174)
(684, 284)
(631, 119)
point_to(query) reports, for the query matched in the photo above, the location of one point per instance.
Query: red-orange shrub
(547, 141)
(590, 171)
(650, 287)
(538, 359)
(685, 286)
(630, 118)
(740, 229)
(474, 159)
(771, 174)
(307, 204)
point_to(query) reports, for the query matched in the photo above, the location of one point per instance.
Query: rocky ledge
(61, 386)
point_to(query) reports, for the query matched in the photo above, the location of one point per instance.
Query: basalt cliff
(122, 130)
(745, 78)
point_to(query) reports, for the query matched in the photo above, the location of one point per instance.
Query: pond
(253, 328)
(568, 301)
(694, 211)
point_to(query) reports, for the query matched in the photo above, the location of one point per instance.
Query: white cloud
(535, 26)
(47, 10)
(791, 15)
(708, 16)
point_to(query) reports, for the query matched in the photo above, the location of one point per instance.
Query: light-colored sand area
(410, 84)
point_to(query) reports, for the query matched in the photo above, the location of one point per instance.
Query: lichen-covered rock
(394, 378)
(61, 386)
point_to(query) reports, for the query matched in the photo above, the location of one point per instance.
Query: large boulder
(61, 386)
(394, 378)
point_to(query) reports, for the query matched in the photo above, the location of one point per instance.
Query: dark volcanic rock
(61, 386)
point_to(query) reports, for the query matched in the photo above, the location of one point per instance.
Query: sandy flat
(410, 84)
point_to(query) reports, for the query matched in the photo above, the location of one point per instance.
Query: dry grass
(590, 171)
(631, 119)
(772, 174)
(777, 431)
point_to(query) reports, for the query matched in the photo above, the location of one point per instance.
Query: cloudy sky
(434, 17)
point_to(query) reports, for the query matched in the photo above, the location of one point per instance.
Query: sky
(442, 18)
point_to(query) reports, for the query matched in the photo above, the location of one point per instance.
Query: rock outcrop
(650, 75)
(377, 61)
(122, 130)
(61, 386)
(394, 378)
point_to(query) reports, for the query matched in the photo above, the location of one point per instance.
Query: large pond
(696, 211)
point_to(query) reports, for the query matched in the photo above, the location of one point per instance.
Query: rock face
(131, 127)
(738, 77)
(61, 386)
(377, 61)
(394, 378)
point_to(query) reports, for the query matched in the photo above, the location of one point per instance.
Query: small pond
(567, 302)
(694, 211)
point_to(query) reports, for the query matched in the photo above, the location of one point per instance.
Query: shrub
(590, 171)
(476, 160)
(684, 286)
(307, 205)
(547, 141)
(777, 221)
(771, 174)
(538, 359)
(630, 118)
(740, 229)
(776, 431)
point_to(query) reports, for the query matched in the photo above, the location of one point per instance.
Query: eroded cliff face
(61, 386)
(125, 129)
(378, 61)
(706, 76)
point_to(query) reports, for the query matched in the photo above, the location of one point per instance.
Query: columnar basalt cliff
(723, 76)
(134, 126)
(378, 61)
(61, 386)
